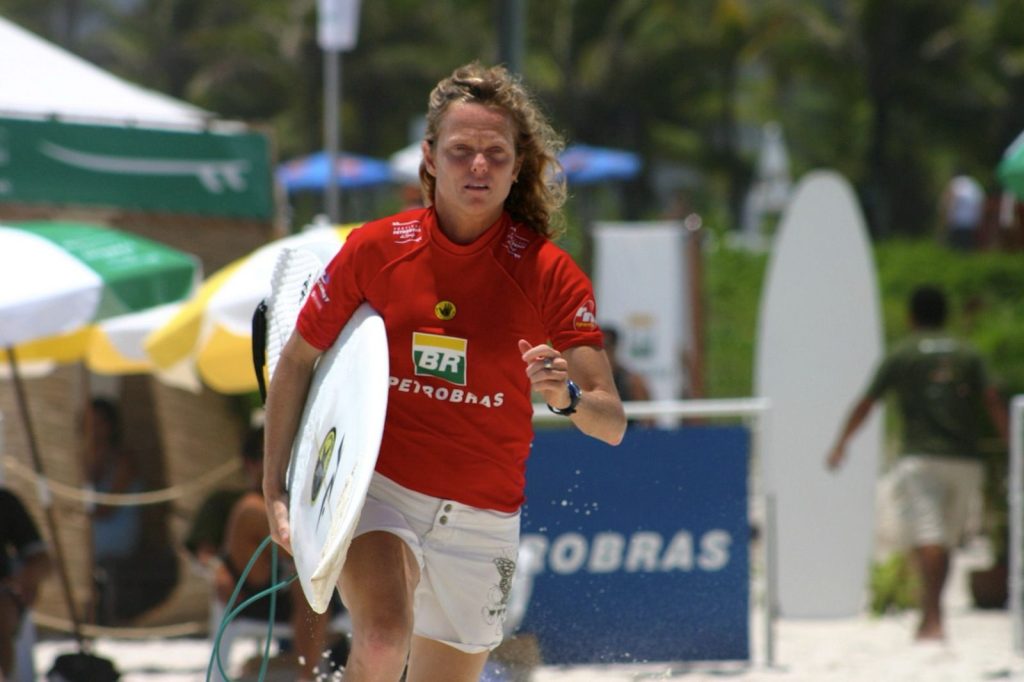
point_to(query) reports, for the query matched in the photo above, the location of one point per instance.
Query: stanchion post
(770, 539)
(1016, 506)
(770, 580)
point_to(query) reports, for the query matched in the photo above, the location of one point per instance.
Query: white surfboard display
(335, 452)
(819, 338)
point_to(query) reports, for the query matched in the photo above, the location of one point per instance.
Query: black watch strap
(574, 399)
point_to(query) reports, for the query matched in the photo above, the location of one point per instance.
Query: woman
(469, 289)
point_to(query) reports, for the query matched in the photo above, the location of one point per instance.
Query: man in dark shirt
(939, 383)
(24, 562)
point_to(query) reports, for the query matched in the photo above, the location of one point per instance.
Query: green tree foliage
(895, 94)
(986, 306)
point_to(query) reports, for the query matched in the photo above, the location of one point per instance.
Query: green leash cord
(231, 611)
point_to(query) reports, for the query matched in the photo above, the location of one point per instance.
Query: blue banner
(638, 553)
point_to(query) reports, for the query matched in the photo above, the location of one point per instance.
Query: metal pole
(45, 499)
(693, 256)
(332, 132)
(1016, 505)
(510, 34)
(769, 553)
(770, 578)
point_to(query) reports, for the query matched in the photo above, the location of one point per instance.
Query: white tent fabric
(40, 79)
(405, 164)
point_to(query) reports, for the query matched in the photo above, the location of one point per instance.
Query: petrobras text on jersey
(451, 395)
(640, 552)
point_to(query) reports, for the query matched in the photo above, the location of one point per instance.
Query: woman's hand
(548, 372)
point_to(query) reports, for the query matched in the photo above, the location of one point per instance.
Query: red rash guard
(459, 420)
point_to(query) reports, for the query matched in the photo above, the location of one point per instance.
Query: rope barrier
(91, 631)
(87, 496)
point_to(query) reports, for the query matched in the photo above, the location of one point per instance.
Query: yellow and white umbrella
(211, 335)
(111, 346)
(69, 291)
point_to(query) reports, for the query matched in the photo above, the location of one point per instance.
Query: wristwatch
(574, 399)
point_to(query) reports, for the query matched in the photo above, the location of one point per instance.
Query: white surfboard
(295, 273)
(335, 452)
(819, 338)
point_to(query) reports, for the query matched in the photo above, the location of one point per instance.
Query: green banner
(204, 173)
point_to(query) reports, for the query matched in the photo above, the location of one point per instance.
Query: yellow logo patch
(444, 310)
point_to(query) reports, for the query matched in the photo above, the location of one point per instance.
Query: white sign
(641, 282)
(338, 24)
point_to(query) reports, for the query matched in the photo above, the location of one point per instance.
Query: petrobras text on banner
(638, 553)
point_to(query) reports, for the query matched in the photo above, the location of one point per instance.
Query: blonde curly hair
(537, 196)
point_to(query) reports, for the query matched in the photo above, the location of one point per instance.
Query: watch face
(574, 399)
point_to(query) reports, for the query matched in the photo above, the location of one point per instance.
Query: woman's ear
(428, 158)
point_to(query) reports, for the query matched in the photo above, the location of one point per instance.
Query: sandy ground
(857, 649)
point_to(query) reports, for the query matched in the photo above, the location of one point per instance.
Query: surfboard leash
(231, 611)
(259, 347)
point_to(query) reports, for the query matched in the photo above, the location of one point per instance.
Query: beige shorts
(938, 499)
(467, 559)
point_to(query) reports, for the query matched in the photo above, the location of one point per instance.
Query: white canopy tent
(40, 79)
(76, 135)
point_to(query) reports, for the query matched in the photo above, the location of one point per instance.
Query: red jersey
(459, 419)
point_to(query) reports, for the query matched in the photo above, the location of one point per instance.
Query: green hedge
(986, 291)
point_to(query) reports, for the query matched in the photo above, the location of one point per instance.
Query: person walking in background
(963, 207)
(470, 288)
(24, 563)
(939, 383)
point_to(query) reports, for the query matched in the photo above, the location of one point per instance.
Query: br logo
(439, 356)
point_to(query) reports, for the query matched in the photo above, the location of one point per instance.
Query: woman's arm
(286, 399)
(599, 412)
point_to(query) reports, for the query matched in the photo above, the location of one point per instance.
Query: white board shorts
(938, 499)
(467, 559)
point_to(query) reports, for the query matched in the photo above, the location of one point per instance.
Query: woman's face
(473, 161)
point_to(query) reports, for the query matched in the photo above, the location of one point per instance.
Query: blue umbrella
(585, 165)
(310, 173)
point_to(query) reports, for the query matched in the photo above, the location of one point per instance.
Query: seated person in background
(111, 469)
(246, 528)
(116, 529)
(24, 563)
(629, 384)
(206, 535)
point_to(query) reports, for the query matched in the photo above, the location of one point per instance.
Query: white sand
(847, 650)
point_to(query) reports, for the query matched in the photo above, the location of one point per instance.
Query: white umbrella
(56, 279)
(211, 335)
(405, 164)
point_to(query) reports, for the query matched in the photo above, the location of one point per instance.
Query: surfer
(469, 287)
